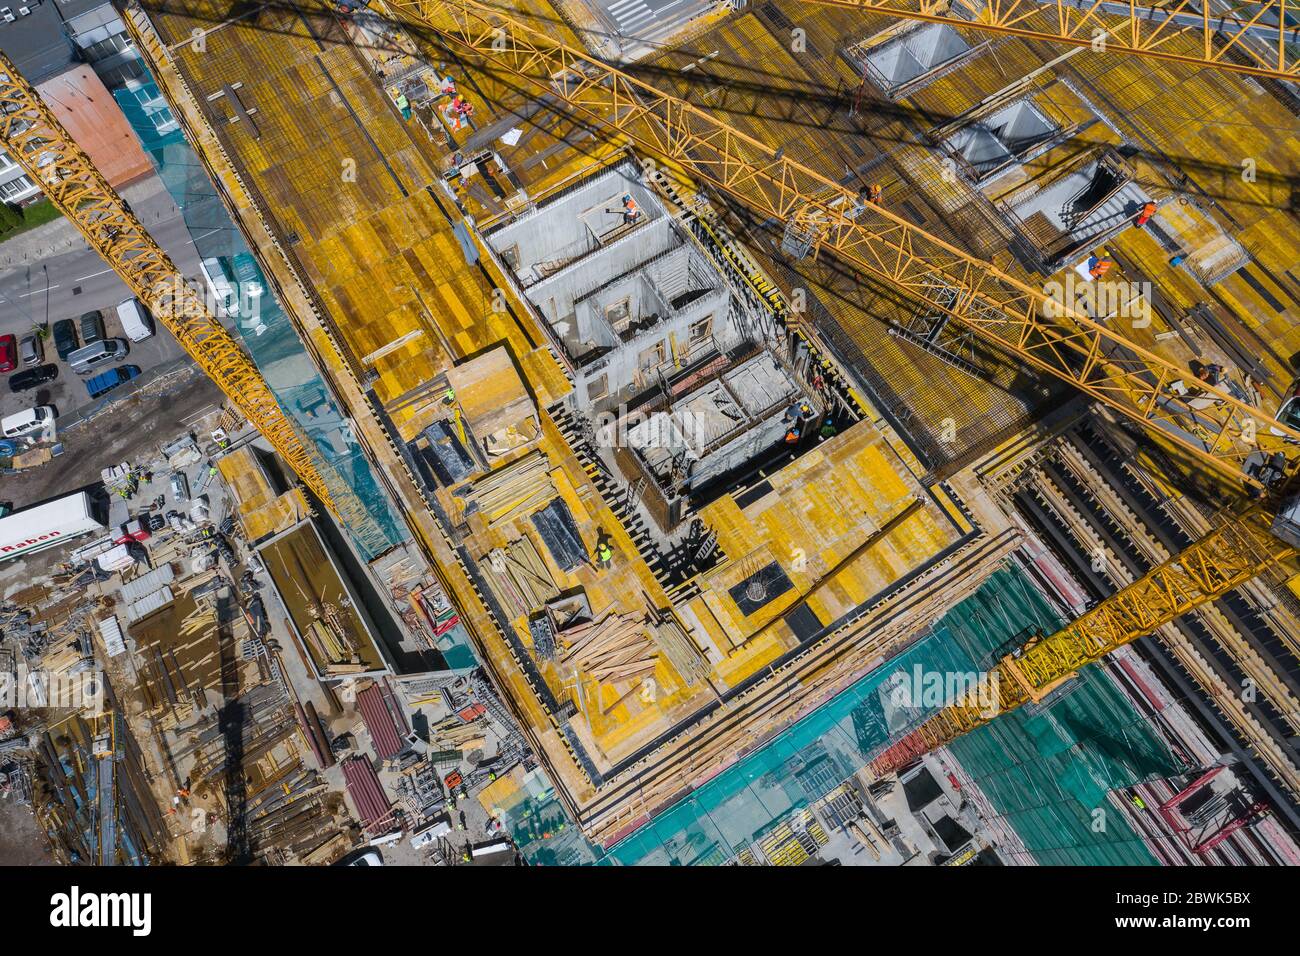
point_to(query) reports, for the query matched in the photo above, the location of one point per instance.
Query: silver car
(1289, 413)
(31, 350)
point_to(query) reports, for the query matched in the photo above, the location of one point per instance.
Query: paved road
(66, 284)
(647, 19)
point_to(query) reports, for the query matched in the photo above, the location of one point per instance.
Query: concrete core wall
(621, 298)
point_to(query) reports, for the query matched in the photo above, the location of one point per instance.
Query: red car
(8, 353)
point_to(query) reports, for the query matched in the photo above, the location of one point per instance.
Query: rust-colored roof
(85, 107)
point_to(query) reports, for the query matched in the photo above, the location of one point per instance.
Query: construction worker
(1098, 266)
(631, 211)
(874, 194)
(1145, 213)
(604, 554)
(828, 429)
(449, 396)
(792, 435)
(403, 106)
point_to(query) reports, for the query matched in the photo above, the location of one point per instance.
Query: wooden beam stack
(512, 491)
(520, 577)
(615, 648)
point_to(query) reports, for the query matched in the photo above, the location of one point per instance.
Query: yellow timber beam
(1213, 427)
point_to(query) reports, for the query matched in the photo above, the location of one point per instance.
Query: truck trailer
(44, 526)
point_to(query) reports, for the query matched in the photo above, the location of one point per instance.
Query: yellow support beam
(1224, 559)
(1213, 427)
(36, 140)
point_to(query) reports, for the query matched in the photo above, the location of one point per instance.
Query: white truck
(48, 525)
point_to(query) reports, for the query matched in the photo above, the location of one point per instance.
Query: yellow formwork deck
(353, 192)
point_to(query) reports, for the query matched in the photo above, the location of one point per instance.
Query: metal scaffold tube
(36, 140)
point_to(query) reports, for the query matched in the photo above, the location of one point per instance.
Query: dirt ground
(126, 430)
(21, 843)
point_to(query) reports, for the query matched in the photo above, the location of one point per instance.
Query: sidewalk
(148, 198)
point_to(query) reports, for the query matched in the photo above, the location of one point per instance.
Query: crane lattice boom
(1229, 35)
(1226, 558)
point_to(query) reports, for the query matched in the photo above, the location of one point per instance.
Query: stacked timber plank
(520, 577)
(512, 491)
(615, 648)
(681, 651)
(331, 640)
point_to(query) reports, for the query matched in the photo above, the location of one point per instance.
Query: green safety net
(266, 331)
(1043, 771)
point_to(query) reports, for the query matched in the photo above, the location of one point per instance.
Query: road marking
(629, 14)
(23, 295)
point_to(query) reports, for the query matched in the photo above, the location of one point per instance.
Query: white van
(88, 358)
(223, 293)
(28, 422)
(136, 322)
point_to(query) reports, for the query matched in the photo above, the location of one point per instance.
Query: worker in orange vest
(874, 192)
(1148, 210)
(1098, 266)
(631, 211)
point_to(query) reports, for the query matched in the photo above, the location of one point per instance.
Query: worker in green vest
(604, 553)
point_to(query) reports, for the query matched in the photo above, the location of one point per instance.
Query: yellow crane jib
(1226, 558)
(36, 140)
(1255, 38)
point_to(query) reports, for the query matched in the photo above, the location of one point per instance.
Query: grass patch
(14, 220)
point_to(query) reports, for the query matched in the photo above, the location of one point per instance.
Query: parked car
(92, 328)
(8, 353)
(30, 421)
(32, 350)
(90, 357)
(31, 377)
(65, 338)
(107, 381)
(1289, 412)
(136, 321)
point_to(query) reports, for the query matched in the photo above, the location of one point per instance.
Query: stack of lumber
(330, 641)
(519, 575)
(681, 651)
(202, 618)
(615, 648)
(512, 491)
(455, 734)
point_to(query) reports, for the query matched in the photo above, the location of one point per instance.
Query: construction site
(804, 432)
